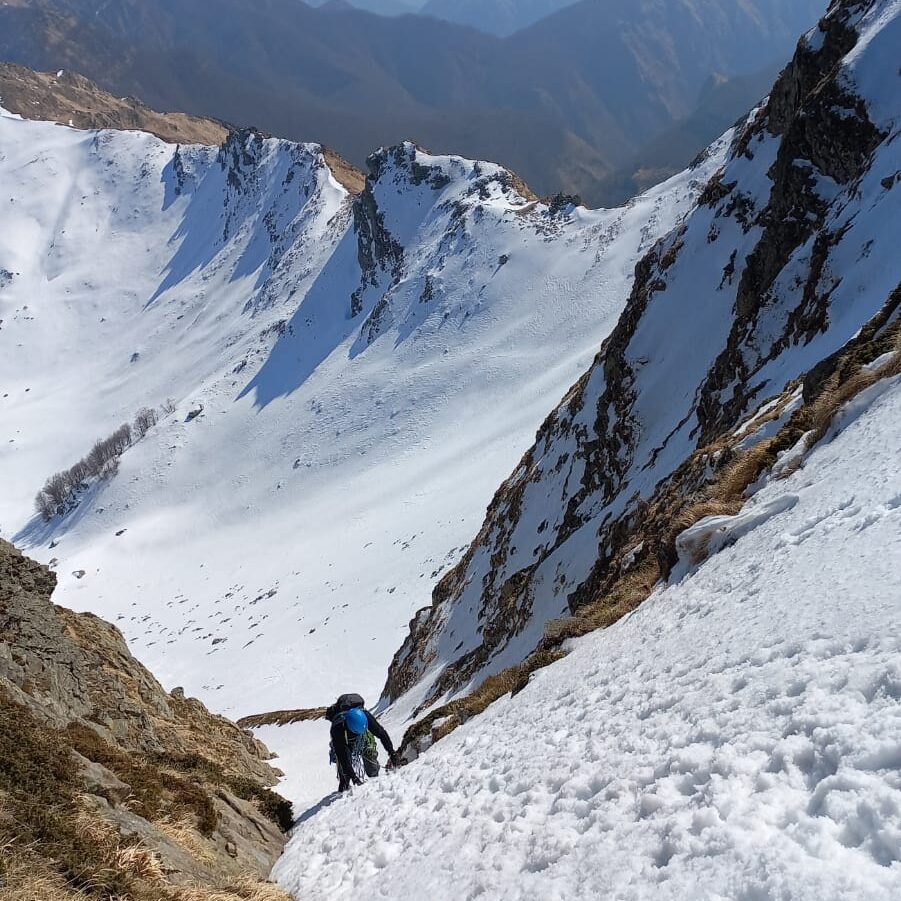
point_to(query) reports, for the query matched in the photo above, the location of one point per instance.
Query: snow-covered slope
(737, 737)
(791, 250)
(367, 369)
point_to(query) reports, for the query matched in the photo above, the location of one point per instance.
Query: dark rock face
(377, 249)
(761, 269)
(381, 255)
(825, 132)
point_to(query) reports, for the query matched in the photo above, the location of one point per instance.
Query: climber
(353, 733)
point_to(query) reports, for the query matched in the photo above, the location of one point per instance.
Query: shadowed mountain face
(382, 7)
(567, 102)
(500, 17)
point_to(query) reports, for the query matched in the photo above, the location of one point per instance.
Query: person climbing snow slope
(353, 733)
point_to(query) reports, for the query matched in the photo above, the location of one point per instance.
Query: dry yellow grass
(744, 470)
(25, 877)
(345, 174)
(240, 890)
(100, 833)
(839, 390)
(141, 862)
(836, 394)
(183, 833)
(686, 518)
(627, 593)
(135, 860)
(443, 720)
(21, 886)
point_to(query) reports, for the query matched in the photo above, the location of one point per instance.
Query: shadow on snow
(320, 325)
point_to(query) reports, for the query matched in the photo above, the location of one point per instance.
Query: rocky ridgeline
(752, 303)
(109, 784)
(409, 192)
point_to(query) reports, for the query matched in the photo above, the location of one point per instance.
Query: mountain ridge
(543, 103)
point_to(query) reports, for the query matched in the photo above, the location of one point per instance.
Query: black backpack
(343, 704)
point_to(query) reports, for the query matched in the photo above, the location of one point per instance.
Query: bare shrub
(145, 420)
(121, 438)
(78, 473)
(43, 506)
(109, 470)
(57, 489)
(101, 453)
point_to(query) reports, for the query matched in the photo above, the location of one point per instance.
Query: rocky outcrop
(156, 770)
(788, 255)
(451, 192)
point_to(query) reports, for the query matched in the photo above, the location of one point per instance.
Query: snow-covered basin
(270, 553)
(739, 736)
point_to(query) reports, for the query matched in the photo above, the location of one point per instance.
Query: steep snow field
(737, 737)
(270, 552)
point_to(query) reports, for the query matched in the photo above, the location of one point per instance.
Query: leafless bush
(145, 420)
(79, 472)
(57, 488)
(110, 469)
(121, 438)
(43, 506)
(108, 449)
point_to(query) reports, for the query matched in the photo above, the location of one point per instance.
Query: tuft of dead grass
(140, 862)
(441, 721)
(743, 471)
(699, 510)
(183, 834)
(630, 590)
(103, 835)
(239, 890)
(838, 393)
(24, 879)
